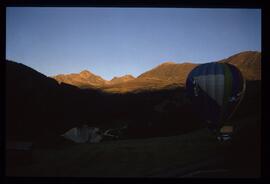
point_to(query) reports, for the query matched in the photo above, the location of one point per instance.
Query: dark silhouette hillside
(38, 108)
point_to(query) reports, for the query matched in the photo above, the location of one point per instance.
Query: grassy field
(151, 156)
(123, 158)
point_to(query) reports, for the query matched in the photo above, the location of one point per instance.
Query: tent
(83, 134)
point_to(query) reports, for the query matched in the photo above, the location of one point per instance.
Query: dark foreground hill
(38, 108)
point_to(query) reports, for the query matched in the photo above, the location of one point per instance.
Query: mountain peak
(124, 76)
(120, 79)
(85, 73)
(83, 79)
(168, 63)
(129, 75)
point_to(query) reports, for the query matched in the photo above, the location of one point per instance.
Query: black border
(140, 3)
(120, 3)
(2, 82)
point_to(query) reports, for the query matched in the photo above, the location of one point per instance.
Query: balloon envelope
(215, 90)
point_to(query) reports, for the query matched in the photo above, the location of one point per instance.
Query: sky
(118, 41)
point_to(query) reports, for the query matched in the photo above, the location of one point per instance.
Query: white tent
(83, 134)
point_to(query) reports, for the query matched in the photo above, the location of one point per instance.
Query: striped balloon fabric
(215, 89)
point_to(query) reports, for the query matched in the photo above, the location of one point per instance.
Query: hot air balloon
(216, 90)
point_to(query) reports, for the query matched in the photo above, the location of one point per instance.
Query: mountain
(248, 62)
(170, 72)
(121, 79)
(84, 79)
(171, 75)
(165, 75)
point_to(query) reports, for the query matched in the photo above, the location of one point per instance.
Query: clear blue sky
(116, 41)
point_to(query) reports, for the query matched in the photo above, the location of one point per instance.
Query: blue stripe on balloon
(219, 69)
(215, 68)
